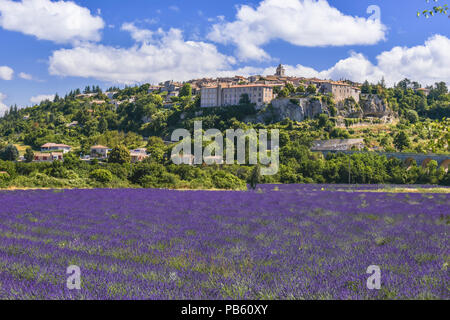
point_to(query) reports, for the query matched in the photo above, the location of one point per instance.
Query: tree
(186, 90)
(255, 176)
(401, 141)
(157, 149)
(102, 125)
(323, 119)
(436, 9)
(301, 89)
(9, 153)
(29, 155)
(312, 89)
(290, 87)
(365, 88)
(284, 93)
(119, 154)
(412, 116)
(101, 175)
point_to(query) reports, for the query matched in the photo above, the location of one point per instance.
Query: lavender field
(279, 242)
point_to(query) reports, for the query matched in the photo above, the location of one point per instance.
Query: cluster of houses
(55, 152)
(228, 91)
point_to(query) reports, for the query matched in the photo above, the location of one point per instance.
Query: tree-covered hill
(133, 117)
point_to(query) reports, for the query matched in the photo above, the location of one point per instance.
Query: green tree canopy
(9, 153)
(119, 154)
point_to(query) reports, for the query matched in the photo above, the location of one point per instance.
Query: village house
(48, 156)
(55, 147)
(110, 94)
(99, 152)
(152, 89)
(228, 95)
(138, 155)
(426, 92)
(339, 90)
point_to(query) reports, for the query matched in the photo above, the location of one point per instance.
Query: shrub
(102, 175)
(224, 180)
(412, 116)
(4, 176)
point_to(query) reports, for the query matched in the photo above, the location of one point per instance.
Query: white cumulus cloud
(139, 35)
(166, 56)
(6, 73)
(25, 76)
(57, 21)
(38, 99)
(3, 107)
(309, 23)
(427, 64)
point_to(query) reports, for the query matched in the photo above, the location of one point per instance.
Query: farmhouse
(55, 147)
(100, 152)
(48, 156)
(138, 155)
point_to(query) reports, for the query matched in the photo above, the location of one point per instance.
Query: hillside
(388, 119)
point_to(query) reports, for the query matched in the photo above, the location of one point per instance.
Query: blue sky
(110, 42)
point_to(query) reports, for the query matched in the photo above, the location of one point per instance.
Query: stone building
(281, 71)
(340, 90)
(229, 95)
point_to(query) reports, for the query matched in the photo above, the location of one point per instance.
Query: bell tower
(281, 71)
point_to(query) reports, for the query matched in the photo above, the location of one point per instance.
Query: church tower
(281, 71)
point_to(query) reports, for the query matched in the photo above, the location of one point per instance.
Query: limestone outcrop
(299, 109)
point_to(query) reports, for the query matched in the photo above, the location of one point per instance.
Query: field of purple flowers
(279, 242)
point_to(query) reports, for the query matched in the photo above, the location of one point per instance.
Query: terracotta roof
(99, 147)
(240, 86)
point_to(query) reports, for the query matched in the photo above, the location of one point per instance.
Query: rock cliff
(299, 109)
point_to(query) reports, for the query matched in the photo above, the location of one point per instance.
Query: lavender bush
(279, 242)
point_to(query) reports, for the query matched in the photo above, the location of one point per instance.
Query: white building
(55, 147)
(99, 151)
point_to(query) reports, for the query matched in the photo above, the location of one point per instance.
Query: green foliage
(323, 120)
(225, 180)
(29, 155)
(9, 153)
(290, 87)
(101, 175)
(119, 154)
(443, 9)
(401, 141)
(157, 149)
(412, 116)
(312, 89)
(186, 90)
(284, 93)
(255, 177)
(301, 89)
